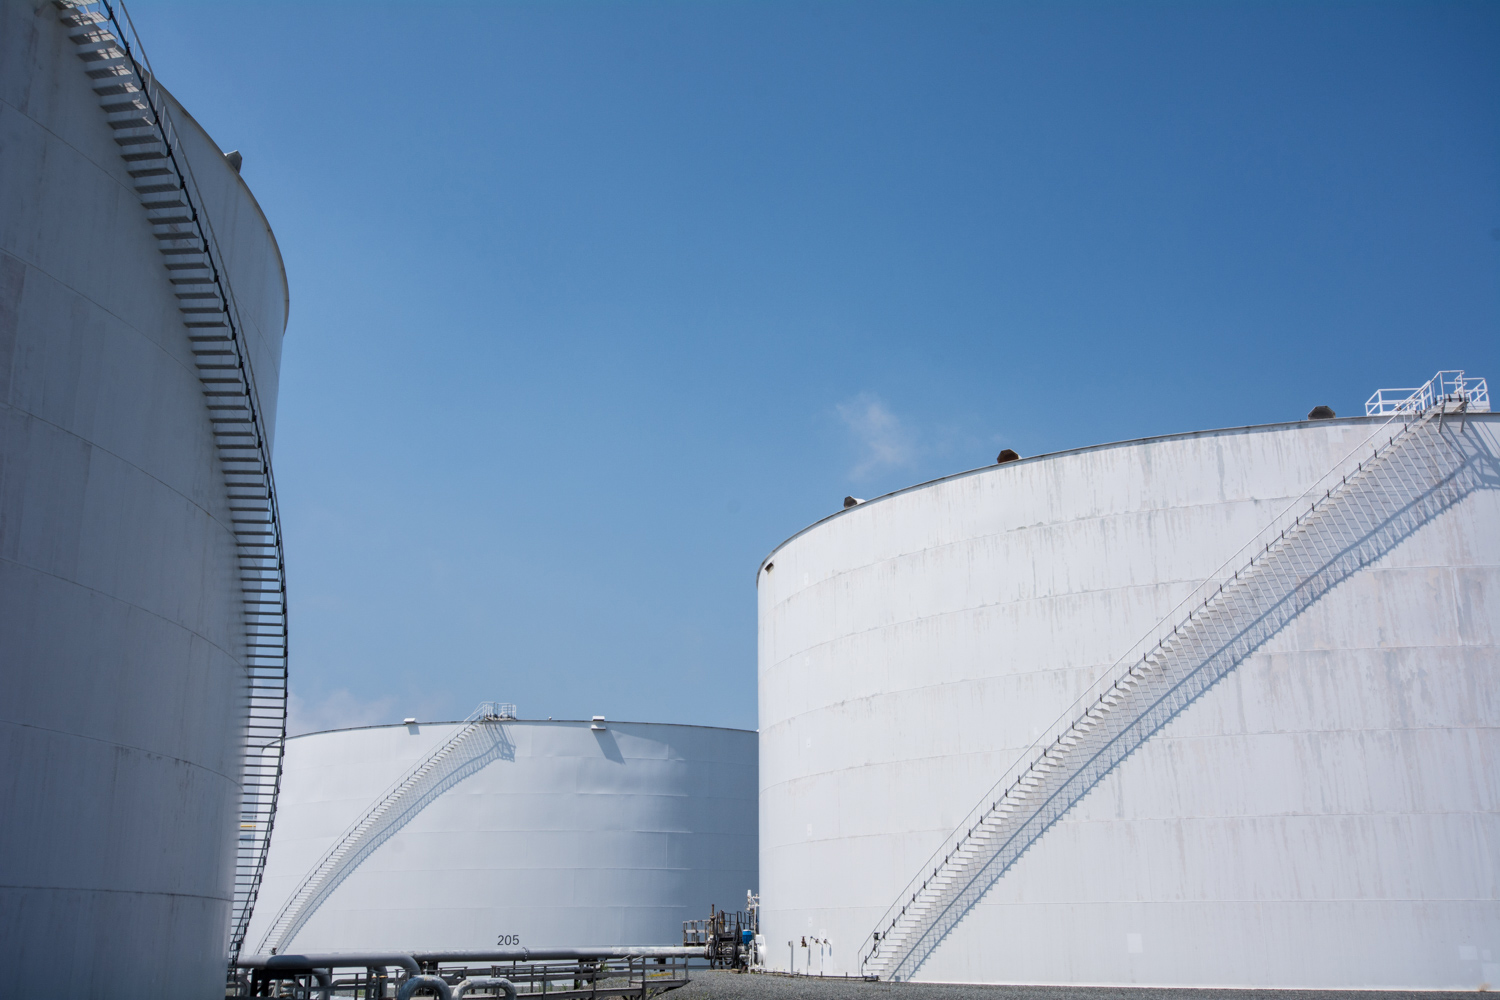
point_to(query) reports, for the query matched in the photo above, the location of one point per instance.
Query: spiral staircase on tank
(136, 110)
(1410, 469)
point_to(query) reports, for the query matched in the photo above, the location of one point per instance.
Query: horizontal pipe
(330, 960)
(556, 954)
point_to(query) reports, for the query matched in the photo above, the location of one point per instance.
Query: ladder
(479, 740)
(1409, 470)
(137, 112)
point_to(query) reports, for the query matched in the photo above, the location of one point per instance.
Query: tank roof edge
(286, 288)
(1072, 451)
(585, 722)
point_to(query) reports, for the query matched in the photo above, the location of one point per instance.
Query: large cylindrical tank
(121, 616)
(554, 834)
(1324, 816)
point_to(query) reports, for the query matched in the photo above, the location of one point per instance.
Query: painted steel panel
(1326, 816)
(582, 838)
(121, 657)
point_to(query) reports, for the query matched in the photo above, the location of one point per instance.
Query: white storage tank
(123, 653)
(1325, 815)
(544, 834)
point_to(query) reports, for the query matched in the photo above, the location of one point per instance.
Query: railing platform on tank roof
(1448, 386)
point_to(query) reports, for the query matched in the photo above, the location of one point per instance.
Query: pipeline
(434, 983)
(319, 964)
(330, 960)
(485, 982)
(428, 958)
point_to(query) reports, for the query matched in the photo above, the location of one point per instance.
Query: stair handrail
(1237, 565)
(483, 713)
(488, 711)
(262, 753)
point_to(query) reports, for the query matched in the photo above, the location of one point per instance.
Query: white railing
(1453, 386)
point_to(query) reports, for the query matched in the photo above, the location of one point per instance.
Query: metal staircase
(1410, 469)
(137, 113)
(478, 741)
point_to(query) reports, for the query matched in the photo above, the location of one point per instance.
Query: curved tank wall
(122, 650)
(1326, 816)
(568, 837)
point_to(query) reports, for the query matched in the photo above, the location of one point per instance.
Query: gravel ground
(717, 985)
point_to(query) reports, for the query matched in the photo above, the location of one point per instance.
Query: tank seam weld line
(1183, 902)
(1267, 734)
(1043, 671)
(62, 283)
(123, 892)
(114, 181)
(1170, 737)
(1124, 589)
(1157, 820)
(134, 196)
(123, 461)
(1093, 591)
(1087, 519)
(1357, 420)
(186, 368)
(120, 600)
(899, 693)
(121, 746)
(244, 185)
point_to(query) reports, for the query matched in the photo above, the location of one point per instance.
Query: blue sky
(593, 304)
